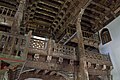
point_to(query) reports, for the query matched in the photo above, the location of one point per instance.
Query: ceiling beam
(100, 5)
(104, 7)
(39, 22)
(93, 16)
(43, 17)
(83, 23)
(45, 10)
(64, 5)
(45, 14)
(96, 11)
(59, 1)
(117, 10)
(89, 20)
(48, 3)
(72, 20)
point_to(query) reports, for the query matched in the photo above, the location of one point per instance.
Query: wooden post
(25, 52)
(15, 29)
(81, 71)
(49, 48)
(5, 45)
(18, 18)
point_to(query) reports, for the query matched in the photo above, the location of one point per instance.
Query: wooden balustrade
(38, 44)
(86, 34)
(7, 11)
(66, 50)
(90, 35)
(57, 50)
(97, 58)
(10, 50)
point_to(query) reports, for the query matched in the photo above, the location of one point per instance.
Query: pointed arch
(105, 36)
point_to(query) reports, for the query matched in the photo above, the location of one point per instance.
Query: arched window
(105, 36)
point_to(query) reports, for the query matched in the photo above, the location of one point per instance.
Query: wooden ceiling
(57, 17)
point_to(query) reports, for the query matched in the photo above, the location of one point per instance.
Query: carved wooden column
(28, 38)
(18, 17)
(15, 29)
(5, 45)
(82, 74)
(49, 50)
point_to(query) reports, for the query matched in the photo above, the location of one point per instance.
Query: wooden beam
(88, 20)
(49, 3)
(39, 22)
(96, 11)
(93, 16)
(47, 10)
(59, 1)
(100, 5)
(117, 10)
(18, 18)
(85, 24)
(104, 7)
(64, 5)
(45, 13)
(73, 14)
(7, 5)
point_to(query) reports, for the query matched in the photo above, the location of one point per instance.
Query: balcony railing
(7, 11)
(41, 47)
(10, 46)
(37, 46)
(96, 57)
(66, 50)
(91, 36)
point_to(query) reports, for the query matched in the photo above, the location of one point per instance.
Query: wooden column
(15, 29)
(82, 74)
(25, 52)
(18, 17)
(49, 50)
(5, 45)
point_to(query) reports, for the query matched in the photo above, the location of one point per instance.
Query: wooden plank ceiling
(57, 17)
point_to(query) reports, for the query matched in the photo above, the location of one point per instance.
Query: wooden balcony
(90, 39)
(97, 58)
(7, 15)
(58, 50)
(45, 48)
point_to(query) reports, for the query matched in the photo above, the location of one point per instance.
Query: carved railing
(65, 50)
(38, 44)
(90, 35)
(58, 50)
(12, 47)
(7, 11)
(90, 55)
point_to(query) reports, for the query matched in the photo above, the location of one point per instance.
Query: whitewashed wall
(113, 47)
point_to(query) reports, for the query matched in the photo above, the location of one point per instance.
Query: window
(105, 36)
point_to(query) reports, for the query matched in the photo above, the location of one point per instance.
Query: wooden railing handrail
(97, 55)
(90, 35)
(7, 8)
